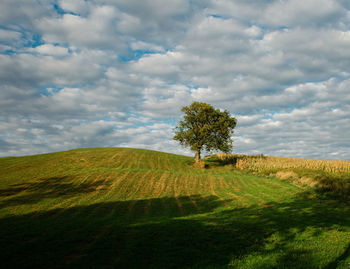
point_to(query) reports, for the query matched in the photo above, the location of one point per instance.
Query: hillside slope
(130, 208)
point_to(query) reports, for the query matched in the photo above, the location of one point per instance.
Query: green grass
(129, 208)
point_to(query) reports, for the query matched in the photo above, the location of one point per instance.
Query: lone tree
(205, 127)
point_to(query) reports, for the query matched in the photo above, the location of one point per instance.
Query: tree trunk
(197, 157)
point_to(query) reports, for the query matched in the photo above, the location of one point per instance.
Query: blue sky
(77, 73)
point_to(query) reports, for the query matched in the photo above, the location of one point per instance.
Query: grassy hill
(130, 208)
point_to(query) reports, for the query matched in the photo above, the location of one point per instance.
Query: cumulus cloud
(116, 73)
(97, 30)
(75, 6)
(9, 36)
(22, 14)
(303, 13)
(49, 49)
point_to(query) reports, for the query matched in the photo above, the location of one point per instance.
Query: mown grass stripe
(119, 207)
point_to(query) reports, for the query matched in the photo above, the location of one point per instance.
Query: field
(328, 176)
(128, 208)
(259, 163)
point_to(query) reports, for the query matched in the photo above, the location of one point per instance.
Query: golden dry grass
(259, 162)
(330, 176)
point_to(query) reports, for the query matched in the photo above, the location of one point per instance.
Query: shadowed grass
(127, 208)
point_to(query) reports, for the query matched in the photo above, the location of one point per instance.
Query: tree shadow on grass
(45, 188)
(182, 232)
(219, 163)
(216, 161)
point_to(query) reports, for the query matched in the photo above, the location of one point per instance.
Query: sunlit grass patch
(129, 208)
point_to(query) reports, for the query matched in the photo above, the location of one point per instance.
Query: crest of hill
(98, 158)
(111, 162)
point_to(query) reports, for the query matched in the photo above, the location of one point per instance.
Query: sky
(115, 73)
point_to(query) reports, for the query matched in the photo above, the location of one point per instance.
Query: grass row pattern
(133, 208)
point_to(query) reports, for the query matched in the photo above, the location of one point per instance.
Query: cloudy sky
(78, 73)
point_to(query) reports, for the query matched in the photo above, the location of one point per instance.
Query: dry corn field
(258, 163)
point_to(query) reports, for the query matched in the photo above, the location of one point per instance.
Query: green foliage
(205, 127)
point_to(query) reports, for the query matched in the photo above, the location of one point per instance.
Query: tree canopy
(205, 127)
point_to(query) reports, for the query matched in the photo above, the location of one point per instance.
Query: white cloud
(78, 68)
(243, 10)
(96, 31)
(159, 64)
(165, 101)
(7, 36)
(21, 14)
(306, 12)
(49, 49)
(117, 72)
(140, 45)
(76, 6)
